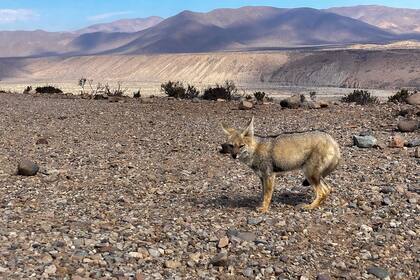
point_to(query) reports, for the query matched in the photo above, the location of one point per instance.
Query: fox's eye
(241, 146)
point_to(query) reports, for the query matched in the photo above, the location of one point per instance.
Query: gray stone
(413, 143)
(323, 277)
(310, 105)
(220, 260)
(255, 221)
(413, 99)
(407, 125)
(248, 272)
(293, 102)
(364, 141)
(387, 190)
(243, 235)
(154, 253)
(379, 272)
(387, 201)
(27, 168)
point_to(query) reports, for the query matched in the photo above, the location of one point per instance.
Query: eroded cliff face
(336, 68)
(352, 68)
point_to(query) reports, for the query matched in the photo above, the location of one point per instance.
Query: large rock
(293, 102)
(245, 105)
(408, 125)
(414, 99)
(379, 272)
(413, 143)
(365, 141)
(27, 168)
(310, 105)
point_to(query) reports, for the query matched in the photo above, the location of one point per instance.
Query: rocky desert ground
(138, 190)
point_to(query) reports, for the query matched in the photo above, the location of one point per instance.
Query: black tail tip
(306, 183)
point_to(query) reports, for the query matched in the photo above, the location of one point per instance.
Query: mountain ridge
(245, 28)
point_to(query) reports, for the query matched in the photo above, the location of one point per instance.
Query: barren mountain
(123, 25)
(33, 43)
(393, 19)
(41, 43)
(219, 30)
(251, 27)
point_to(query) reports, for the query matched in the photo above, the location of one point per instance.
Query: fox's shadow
(235, 201)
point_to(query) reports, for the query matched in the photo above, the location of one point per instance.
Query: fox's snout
(234, 156)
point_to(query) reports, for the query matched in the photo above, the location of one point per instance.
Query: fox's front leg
(268, 188)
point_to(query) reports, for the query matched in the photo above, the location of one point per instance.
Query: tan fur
(316, 153)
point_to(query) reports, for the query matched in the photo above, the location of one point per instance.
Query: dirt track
(138, 189)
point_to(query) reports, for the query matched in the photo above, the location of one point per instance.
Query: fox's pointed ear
(249, 130)
(227, 130)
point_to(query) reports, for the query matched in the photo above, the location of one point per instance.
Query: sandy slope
(214, 67)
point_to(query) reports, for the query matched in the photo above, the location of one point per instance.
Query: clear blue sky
(64, 15)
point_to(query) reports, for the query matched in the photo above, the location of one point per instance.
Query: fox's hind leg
(320, 192)
(316, 168)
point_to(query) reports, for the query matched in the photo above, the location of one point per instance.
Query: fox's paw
(308, 206)
(262, 209)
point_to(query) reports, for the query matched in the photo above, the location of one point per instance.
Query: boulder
(27, 168)
(310, 105)
(407, 125)
(365, 141)
(413, 143)
(293, 102)
(245, 105)
(414, 99)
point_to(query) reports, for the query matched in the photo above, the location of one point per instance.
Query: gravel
(137, 189)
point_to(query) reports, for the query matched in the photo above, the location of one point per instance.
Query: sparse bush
(227, 91)
(312, 95)
(173, 89)
(118, 91)
(192, 92)
(259, 96)
(136, 94)
(248, 97)
(400, 96)
(27, 89)
(82, 83)
(361, 97)
(48, 89)
(177, 90)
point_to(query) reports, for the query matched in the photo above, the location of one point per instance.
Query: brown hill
(219, 30)
(123, 25)
(393, 19)
(264, 27)
(33, 43)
